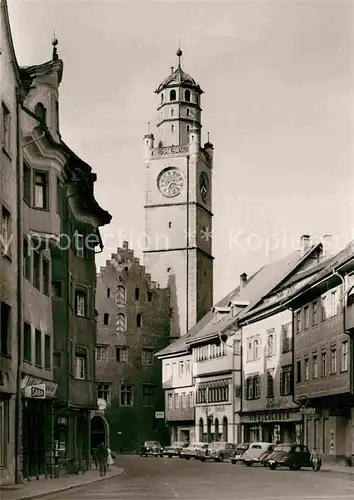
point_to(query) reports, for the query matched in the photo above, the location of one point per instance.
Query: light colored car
(255, 452)
(192, 450)
(175, 449)
(240, 450)
(217, 450)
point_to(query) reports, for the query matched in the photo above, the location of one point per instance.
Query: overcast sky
(279, 85)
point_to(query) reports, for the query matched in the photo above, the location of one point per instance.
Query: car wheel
(248, 464)
(221, 458)
(294, 467)
(188, 458)
(169, 456)
(272, 466)
(202, 459)
(233, 462)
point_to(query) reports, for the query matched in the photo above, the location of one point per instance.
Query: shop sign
(50, 387)
(270, 417)
(35, 391)
(308, 410)
(159, 414)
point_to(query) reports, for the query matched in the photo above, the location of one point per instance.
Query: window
(333, 360)
(184, 400)
(188, 366)
(314, 366)
(298, 371)
(58, 196)
(6, 236)
(181, 368)
(201, 395)
(126, 395)
(238, 392)
(40, 190)
(170, 401)
(70, 357)
(255, 350)
(109, 292)
(27, 342)
(298, 321)
(172, 112)
(249, 351)
(40, 112)
(324, 364)
(237, 347)
(324, 307)
(36, 270)
(57, 360)
(120, 295)
(147, 357)
(122, 354)
(104, 392)
(4, 431)
(80, 303)
(176, 401)
(57, 289)
(172, 128)
(306, 365)
(138, 320)
(172, 95)
(286, 340)
(270, 343)
(80, 367)
(26, 183)
(187, 111)
(5, 329)
(187, 95)
(47, 353)
(191, 400)
(121, 324)
(270, 385)
(344, 356)
(106, 319)
(26, 259)
(188, 128)
(161, 98)
(286, 381)
(101, 353)
(334, 303)
(38, 347)
(253, 387)
(79, 245)
(148, 395)
(307, 316)
(137, 293)
(149, 296)
(314, 313)
(6, 118)
(45, 276)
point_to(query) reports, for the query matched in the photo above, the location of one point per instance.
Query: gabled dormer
(220, 313)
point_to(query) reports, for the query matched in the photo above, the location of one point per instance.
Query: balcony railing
(169, 151)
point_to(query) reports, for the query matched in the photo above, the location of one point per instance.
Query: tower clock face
(204, 186)
(170, 182)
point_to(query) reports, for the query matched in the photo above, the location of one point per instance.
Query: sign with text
(35, 391)
(308, 411)
(50, 387)
(159, 414)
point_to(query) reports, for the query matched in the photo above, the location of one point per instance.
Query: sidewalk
(340, 468)
(44, 487)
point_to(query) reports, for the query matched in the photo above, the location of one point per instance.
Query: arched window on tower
(105, 318)
(172, 128)
(172, 112)
(40, 112)
(187, 95)
(172, 95)
(161, 98)
(187, 111)
(188, 129)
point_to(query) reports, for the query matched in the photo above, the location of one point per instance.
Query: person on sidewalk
(110, 459)
(316, 460)
(102, 457)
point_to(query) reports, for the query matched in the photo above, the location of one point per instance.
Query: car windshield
(151, 443)
(256, 447)
(217, 446)
(177, 444)
(283, 447)
(242, 447)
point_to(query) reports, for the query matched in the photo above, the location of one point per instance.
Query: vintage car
(293, 456)
(254, 452)
(238, 453)
(152, 448)
(217, 451)
(175, 449)
(263, 458)
(192, 450)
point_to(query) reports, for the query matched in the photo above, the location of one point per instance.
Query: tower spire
(55, 50)
(179, 55)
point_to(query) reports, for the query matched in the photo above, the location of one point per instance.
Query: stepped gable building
(133, 324)
(323, 321)
(178, 208)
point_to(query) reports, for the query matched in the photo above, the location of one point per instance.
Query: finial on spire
(179, 55)
(149, 127)
(55, 50)
(208, 136)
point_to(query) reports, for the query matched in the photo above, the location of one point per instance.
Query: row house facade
(323, 323)
(133, 324)
(55, 281)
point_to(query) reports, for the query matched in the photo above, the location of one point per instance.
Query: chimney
(305, 244)
(243, 280)
(327, 246)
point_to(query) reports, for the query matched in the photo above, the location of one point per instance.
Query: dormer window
(187, 95)
(172, 95)
(40, 112)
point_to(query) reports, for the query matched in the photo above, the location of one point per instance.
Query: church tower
(178, 208)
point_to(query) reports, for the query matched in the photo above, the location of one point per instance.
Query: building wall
(177, 372)
(8, 266)
(136, 421)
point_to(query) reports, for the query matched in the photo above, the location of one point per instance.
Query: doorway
(98, 432)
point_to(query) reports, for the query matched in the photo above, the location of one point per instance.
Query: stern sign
(35, 391)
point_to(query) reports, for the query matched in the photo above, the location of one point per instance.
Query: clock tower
(178, 208)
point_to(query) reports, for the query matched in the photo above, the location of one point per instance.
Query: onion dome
(178, 78)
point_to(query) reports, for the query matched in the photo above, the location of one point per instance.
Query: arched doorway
(216, 429)
(99, 432)
(201, 430)
(209, 434)
(224, 429)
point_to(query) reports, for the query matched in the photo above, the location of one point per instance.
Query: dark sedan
(293, 456)
(175, 449)
(152, 448)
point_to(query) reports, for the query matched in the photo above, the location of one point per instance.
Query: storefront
(283, 426)
(37, 426)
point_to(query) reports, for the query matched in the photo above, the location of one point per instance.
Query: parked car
(217, 450)
(293, 456)
(192, 450)
(175, 449)
(263, 458)
(238, 453)
(254, 452)
(152, 448)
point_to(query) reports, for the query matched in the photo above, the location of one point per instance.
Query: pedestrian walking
(94, 457)
(102, 457)
(316, 460)
(110, 459)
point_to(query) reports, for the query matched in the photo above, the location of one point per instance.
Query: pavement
(49, 487)
(166, 479)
